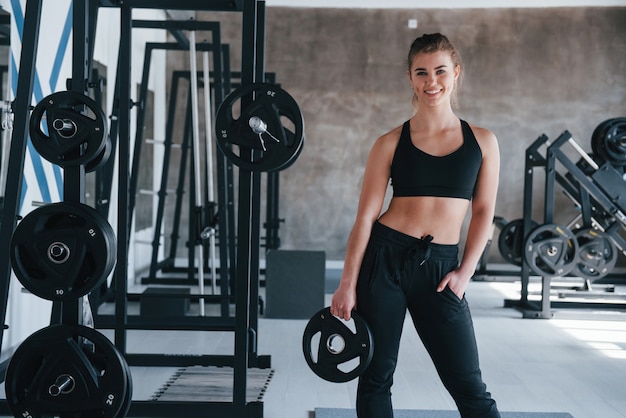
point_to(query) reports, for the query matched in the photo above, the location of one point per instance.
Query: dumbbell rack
(598, 192)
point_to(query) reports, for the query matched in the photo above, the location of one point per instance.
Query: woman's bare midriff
(418, 216)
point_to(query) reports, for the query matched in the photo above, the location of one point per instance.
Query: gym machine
(61, 251)
(268, 146)
(596, 185)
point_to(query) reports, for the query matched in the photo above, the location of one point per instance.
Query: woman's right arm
(375, 181)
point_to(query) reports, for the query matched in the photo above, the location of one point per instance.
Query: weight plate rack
(69, 132)
(61, 252)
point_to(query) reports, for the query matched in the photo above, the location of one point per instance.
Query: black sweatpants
(400, 272)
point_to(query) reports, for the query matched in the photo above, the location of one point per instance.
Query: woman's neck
(435, 118)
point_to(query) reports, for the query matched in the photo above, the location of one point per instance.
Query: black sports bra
(416, 173)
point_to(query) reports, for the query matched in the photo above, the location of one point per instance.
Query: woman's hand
(457, 280)
(343, 302)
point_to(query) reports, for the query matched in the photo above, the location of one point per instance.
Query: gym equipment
(595, 184)
(246, 259)
(197, 165)
(550, 250)
(596, 255)
(101, 159)
(608, 142)
(76, 129)
(271, 125)
(333, 349)
(68, 370)
(511, 241)
(62, 251)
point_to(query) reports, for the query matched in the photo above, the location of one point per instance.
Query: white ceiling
(441, 4)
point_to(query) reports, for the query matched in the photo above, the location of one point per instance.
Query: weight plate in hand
(65, 370)
(511, 241)
(337, 350)
(62, 251)
(597, 255)
(550, 250)
(68, 128)
(270, 128)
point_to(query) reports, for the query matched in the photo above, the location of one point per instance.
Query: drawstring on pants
(421, 249)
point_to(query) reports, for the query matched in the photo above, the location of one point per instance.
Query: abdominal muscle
(418, 216)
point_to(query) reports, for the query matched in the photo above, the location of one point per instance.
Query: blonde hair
(435, 42)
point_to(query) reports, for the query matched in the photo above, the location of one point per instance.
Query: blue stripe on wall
(38, 96)
(58, 60)
(18, 13)
(54, 79)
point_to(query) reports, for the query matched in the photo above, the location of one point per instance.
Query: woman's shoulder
(486, 138)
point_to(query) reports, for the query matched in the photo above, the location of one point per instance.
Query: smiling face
(433, 76)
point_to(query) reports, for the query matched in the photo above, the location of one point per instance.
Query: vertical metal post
(17, 150)
(208, 148)
(527, 214)
(197, 171)
(225, 195)
(548, 217)
(141, 118)
(123, 227)
(272, 219)
(74, 176)
(255, 217)
(245, 238)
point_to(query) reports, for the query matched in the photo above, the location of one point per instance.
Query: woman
(407, 258)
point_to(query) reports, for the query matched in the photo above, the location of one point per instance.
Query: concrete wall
(527, 72)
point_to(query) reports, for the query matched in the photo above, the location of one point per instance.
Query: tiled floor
(575, 362)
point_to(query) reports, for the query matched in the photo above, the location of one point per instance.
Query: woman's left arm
(483, 210)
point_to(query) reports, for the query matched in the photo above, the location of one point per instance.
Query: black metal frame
(248, 236)
(225, 202)
(586, 193)
(69, 312)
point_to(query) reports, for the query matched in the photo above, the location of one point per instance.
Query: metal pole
(196, 160)
(209, 160)
(17, 150)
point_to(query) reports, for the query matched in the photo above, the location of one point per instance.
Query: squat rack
(247, 269)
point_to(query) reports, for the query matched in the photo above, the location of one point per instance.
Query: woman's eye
(441, 71)
(421, 73)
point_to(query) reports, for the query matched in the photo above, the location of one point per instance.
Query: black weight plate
(614, 141)
(101, 159)
(597, 255)
(511, 241)
(597, 141)
(608, 141)
(97, 371)
(270, 128)
(81, 141)
(335, 351)
(125, 406)
(550, 250)
(62, 251)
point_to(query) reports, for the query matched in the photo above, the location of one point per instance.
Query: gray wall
(527, 72)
